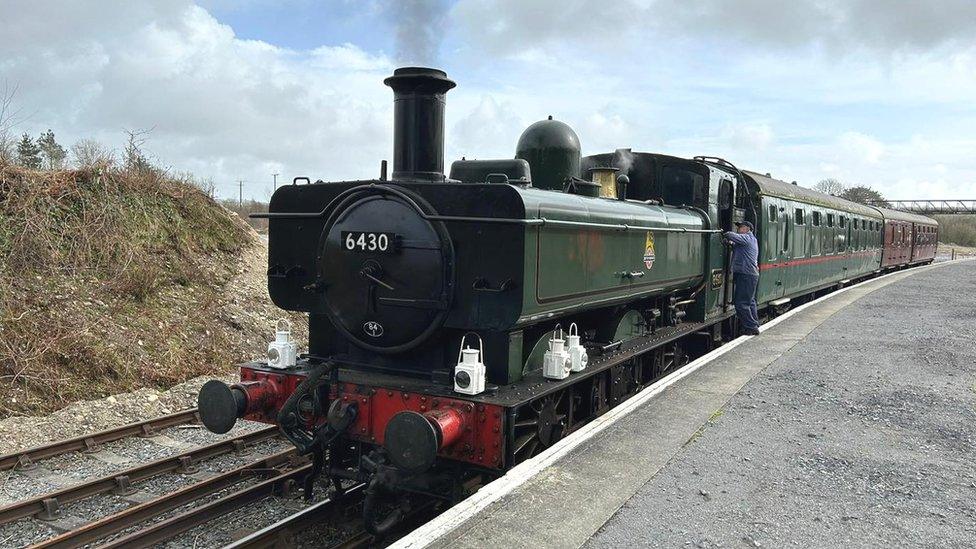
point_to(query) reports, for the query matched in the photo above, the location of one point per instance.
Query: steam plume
(419, 28)
(624, 161)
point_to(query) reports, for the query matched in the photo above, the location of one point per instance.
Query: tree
(864, 195)
(135, 159)
(54, 153)
(9, 117)
(830, 186)
(88, 153)
(28, 153)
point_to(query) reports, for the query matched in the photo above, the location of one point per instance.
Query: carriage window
(816, 219)
(830, 220)
(798, 216)
(842, 220)
(772, 213)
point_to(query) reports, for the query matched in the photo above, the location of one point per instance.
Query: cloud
(489, 130)
(838, 26)
(756, 137)
(515, 26)
(870, 92)
(858, 147)
(218, 105)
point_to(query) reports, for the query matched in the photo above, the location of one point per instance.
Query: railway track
(284, 532)
(47, 506)
(288, 531)
(25, 459)
(208, 498)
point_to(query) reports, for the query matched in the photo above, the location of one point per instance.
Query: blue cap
(747, 224)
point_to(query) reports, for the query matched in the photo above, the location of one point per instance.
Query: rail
(176, 525)
(89, 443)
(48, 505)
(127, 518)
(272, 535)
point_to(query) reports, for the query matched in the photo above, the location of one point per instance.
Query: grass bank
(112, 280)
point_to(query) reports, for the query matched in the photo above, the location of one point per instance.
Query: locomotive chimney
(418, 122)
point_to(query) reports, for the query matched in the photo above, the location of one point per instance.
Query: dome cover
(552, 150)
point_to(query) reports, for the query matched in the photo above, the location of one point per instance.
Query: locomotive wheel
(539, 424)
(674, 357)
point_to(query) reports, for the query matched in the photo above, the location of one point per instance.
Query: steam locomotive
(460, 324)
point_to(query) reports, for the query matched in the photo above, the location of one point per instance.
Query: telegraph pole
(240, 192)
(275, 181)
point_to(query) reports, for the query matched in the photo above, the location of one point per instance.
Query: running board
(778, 302)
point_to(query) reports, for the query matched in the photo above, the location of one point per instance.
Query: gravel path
(864, 434)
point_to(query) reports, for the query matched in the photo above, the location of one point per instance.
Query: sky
(870, 92)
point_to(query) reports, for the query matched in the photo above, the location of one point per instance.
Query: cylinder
(418, 122)
(448, 423)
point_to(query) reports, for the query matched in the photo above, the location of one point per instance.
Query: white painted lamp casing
(282, 352)
(577, 353)
(555, 364)
(469, 374)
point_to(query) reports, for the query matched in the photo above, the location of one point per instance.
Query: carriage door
(770, 252)
(786, 248)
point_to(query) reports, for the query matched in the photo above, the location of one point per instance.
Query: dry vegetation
(112, 280)
(245, 209)
(958, 230)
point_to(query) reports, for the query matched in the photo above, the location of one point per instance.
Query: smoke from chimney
(419, 28)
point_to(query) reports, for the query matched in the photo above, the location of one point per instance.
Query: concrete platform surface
(851, 423)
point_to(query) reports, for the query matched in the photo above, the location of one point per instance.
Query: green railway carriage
(810, 240)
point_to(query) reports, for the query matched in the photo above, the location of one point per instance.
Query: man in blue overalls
(745, 274)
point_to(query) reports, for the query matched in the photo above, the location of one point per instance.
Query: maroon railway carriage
(909, 239)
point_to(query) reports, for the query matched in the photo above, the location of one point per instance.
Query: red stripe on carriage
(811, 260)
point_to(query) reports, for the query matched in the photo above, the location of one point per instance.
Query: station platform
(848, 422)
